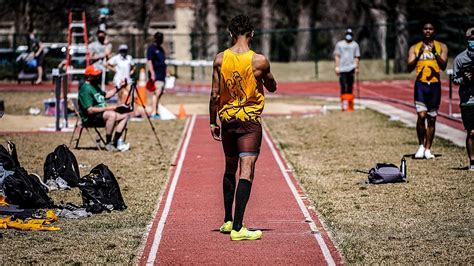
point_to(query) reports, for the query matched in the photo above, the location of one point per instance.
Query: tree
(303, 38)
(401, 49)
(266, 38)
(378, 13)
(211, 20)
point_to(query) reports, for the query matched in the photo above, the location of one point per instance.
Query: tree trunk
(266, 38)
(303, 38)
(211, 20)
(379, 16)
(401, 50)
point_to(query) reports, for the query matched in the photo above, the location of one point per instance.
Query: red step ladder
(77, 41)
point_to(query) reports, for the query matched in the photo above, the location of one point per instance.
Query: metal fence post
(450, 106)
(57, 92)
(65, 89)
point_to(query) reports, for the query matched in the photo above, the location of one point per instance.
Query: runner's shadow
(250, 228)
(460, 168)
(412, 156)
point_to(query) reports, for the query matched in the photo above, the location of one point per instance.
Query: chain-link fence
(379, 42)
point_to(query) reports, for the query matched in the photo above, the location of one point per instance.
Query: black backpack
(62, 163)
(386, 173)
(21, 188)
(100, 191)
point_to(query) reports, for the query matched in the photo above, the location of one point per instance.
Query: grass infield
(427, 220)
(104, 238)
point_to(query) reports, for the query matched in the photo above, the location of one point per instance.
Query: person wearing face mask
(347, 57)
(95, 112)
(464, 77)
(123, 66)
(100, 50)
(428, 57)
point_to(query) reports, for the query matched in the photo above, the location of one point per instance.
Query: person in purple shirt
(156, 70)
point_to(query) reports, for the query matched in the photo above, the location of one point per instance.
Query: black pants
(346, 79)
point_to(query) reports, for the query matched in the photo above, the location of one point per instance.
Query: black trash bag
(62, 163)
(100, 191)
(21, 188)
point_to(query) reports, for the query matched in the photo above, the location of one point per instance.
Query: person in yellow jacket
(428, 57)
(237, 97)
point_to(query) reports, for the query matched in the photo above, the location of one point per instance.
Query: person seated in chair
(95, 112)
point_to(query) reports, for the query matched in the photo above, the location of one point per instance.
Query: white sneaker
(123, 147)
(420, 153)
(428, 154)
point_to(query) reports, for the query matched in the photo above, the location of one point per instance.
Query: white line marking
(161, 224)
(324, 249)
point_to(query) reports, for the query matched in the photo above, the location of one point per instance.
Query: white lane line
(161, 224)
(327, 254)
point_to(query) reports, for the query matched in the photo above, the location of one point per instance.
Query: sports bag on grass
(62, 163)
(100, 191)
(21, 188)
(386, 173)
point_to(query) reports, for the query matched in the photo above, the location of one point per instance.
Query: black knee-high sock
(116, 137)
(241, 197)
(108, 138)
(229, 190)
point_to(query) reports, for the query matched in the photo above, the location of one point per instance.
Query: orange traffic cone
(182, 112)
(141, 88)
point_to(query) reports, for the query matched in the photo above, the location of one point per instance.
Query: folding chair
(99, 141)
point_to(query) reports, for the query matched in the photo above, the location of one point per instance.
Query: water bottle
(403, 167)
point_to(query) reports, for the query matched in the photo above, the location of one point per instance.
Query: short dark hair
(431, 21)
(99, 32)
(240, 25)
(158, 37)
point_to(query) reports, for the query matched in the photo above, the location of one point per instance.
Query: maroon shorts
(241, 138)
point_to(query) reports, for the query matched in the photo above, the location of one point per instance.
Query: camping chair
(99, 141)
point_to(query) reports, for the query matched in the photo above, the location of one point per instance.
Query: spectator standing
(100, 50)
(36, 48)
(157, 71)
(347, 58)
(464, 77)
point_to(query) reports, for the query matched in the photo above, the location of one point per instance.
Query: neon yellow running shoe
(226, 227)
(245, 234)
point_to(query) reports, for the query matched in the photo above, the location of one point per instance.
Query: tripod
(131, 96)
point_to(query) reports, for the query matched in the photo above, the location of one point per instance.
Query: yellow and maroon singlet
(241, 95)
(427, 69)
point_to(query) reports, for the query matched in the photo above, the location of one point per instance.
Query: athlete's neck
(241, 45)
(428, 40)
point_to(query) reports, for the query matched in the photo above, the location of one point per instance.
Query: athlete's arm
(337, 59)
(262, 72)
(215, 95)
(413, 57)
(441, 58)
(149, 64)
(357, 62)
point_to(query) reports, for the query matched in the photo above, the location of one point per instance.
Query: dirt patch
(427, 220)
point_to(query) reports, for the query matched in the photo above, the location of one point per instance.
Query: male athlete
(464, 77)
(237, 97)
(429, 57)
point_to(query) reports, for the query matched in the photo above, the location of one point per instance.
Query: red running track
(398, 93)
(185, 229)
